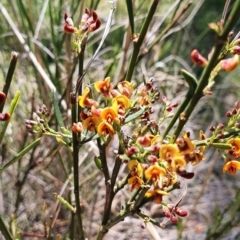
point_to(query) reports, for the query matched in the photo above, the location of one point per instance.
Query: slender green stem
(20, 155)
(118, 163)
(140, 39)
(116, 168)
(215, 143)
(120, 217)
(130, 14)
(146, 218)
(121, 184)
(105, 34)
(128, 209)
(220, 42)
(9, 76)
(108, 197)
(140, 198)
(22, 182)
(76, 172)
(166, 29)
(76, 138)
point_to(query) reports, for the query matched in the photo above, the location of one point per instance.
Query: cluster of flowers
(89, 23)
(226, 64)
(153, 162)
(39, 124)
(103, 121)
(231, 156)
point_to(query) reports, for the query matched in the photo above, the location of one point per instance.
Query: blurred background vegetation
(27, 188)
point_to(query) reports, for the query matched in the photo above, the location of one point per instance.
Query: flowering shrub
(156, 159)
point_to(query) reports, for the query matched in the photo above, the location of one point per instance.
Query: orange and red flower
(77, 127)
(235, 150)
(168, 151)
(104, 87)
(104, 128)
(198, 59)
(135, 181)
(154, 172)
(108, 114)
(85, 101)
(231, 166)
(125, 88)
(91, 123)
(121, 103)
(135, 168)
(229, 64)
(185, 145)
(157, 194)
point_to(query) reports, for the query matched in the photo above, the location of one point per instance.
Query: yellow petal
(135, 168)
(168, 151)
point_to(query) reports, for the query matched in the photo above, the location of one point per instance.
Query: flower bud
(2, 97)
(143, 226)
(174, 105)
(169, 109)
(69, 29)
(237, 104)
(229, 64)
(152, 158)
(68, 20)
(198, 59)
(164, 100)
(144, 140)
(86, 15)
(220, 126)
(212, 128)
(167, 214)
(220, 135)
(181, 213)
(94, 26)
(235, 50)
(173, 219)
(4, 116)
(77, 127)
(132, 150)
(228, 114)
(94, 16)
(68, 26)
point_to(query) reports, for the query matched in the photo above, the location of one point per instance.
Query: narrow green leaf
(21, 154)
(98, 163)
(25, 13)
(191, 81)
(4, 230)
(59, 117)
(11, 110)
(57, 111)
(134, 115)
